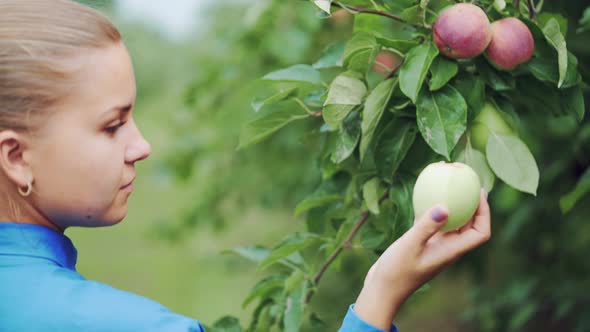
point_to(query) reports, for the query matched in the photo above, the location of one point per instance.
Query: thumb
(430, 223)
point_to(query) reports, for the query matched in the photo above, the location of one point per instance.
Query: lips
(129, 183)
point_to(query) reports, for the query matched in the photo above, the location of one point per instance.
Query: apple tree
(490, 83)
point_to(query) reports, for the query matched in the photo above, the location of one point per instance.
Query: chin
(114, 220)
(90, 219)
(107, 220)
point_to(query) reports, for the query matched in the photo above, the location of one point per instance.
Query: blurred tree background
(196, 196)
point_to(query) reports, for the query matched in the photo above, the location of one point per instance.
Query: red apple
(386, 62)
(462, 31)
(512, 43)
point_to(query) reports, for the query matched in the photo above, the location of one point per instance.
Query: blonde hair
(37, 37)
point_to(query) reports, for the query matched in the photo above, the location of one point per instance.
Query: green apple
(455, 186)
(488, 120)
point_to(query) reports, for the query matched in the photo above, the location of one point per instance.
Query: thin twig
(307, 110)
(369, 11)
(346, 244)
(532, 9)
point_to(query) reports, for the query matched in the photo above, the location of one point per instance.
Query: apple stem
(346, 244)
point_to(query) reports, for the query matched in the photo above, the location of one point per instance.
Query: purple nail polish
(438, 215)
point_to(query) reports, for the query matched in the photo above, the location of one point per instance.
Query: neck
(22, 211)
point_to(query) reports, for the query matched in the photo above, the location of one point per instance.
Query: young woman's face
(86, 151)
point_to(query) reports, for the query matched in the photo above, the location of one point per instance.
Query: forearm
(378, 305)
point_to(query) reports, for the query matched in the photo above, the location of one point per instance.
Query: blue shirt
(40, 290)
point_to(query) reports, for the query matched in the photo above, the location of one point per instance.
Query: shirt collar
(21, 239)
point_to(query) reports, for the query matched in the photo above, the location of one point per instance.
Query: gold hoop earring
(29, 189)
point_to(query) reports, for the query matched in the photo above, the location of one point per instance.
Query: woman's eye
(114, 128)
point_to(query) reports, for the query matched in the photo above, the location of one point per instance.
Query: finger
(475, 233)
(478, 211)
(429, 224)
(482, 219)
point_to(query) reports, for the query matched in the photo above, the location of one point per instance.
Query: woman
(68, 148)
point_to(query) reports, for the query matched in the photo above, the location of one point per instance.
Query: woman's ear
(13, 157)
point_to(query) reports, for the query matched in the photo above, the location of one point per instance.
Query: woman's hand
(415, 258)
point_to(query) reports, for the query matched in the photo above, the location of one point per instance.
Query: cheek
(82, 175)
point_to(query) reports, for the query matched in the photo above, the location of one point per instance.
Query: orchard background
(281, 130)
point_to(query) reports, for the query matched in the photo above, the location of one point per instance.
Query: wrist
(378, 304)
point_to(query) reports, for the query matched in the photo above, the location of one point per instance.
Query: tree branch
(346, 244)
(532, 10)
(369, 11)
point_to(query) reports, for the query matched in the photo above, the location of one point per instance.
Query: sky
(176, 18)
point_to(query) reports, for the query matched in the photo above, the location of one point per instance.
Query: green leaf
(331, 56)
(523, 315)
(543, 19)
(443, 71)
(536, 96)
(400, 195)
(473, 89)
(293, 243)
(329, 191)
(254, 253)
(371, 195)
(360, 42)
(371, 237)
(585, 21)
(415, 67)
(374, 107)
(497, 80)
(296, 73)
(557, 40)
(513, 162)
(274, 117)
(442, 118)
(466, 154)
(347, 139)
(360, 52)
(226, 324)
(572, 101)
(294, 281)
(345, 94)
(259, 103)
(546, 70)
(400, 5)
(376, 25)
(399, 45)
(294, 308)
(264, 288)
(394, 143)
(363, 61)
(262, 319)
(413, 15)
(568, 201)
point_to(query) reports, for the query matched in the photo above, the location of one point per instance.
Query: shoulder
(64, 300)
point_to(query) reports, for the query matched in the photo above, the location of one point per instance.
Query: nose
(139, 148)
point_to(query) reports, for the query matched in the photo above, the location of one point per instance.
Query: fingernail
(439, 215)
(485, 193)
